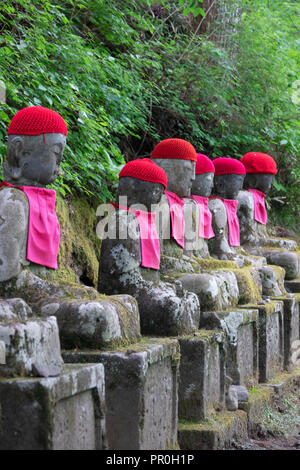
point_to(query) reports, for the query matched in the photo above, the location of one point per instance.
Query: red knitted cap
(174, 148)
(36, 120)
(204, 164)
(144, 169)
(256, 162)
(224, 166)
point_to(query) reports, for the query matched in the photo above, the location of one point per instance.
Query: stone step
(270, 338)
(57, 413)
(141, 389)
(202, 374)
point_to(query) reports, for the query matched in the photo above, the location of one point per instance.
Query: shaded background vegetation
(224, 75)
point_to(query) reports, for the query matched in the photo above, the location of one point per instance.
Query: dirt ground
(279, 428)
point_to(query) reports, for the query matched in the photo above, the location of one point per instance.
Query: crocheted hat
(144, 169)
(204, 164)
(174, 148)
(256, 163)
(36, 120)
(224, 166)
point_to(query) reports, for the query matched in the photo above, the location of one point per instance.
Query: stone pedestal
(202, 375)
(240, 329)
(291, 327)
(61, 413)
(141, 393)
(270, 338)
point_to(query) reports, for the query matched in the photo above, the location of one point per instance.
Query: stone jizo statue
(261, 170)
(177, 158)
(131, 264)
(29, 232)
(201, 190)
(229, 179)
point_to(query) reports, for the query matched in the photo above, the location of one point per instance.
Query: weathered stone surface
(61, 413)
(242, 393)
(251, 232)
(241, 334)
(202, 375)
(270, 343)
(291, 327)
(2, 353)
(40, 370)
(272, 279)
(14, 309)
(172, 311)
(218, 434)
(14, 210)
(26, 343)
(141, 393)
(288, 260)
(232, 402)
(113, 320)
(215, 291)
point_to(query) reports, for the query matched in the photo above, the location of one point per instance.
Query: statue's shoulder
(12, 194)
(216, 205)
(246, 200)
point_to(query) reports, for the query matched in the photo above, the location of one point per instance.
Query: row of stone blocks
(131, 398)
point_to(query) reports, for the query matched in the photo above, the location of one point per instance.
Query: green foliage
(126, 74)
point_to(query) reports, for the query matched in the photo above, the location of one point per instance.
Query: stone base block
(270, 338)
(61, 413)
(202, 375)
(291, 327)
(114, 320)
(28, 343)
(214, 434)
(240, 327)
(141, 385)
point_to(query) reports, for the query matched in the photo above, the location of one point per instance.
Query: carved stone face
(32, 162)
(263, 182)
(180, 174)
(203, 184)
(139, 192)
(227, 186)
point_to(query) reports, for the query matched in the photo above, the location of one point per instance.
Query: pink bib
(232, 220)
(260, 213)
(43, 226)
(150, 249)
(205, 217)
(177, 218)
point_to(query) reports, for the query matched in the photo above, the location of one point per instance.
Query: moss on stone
(248, 288)
(212, 264)
(79, 248)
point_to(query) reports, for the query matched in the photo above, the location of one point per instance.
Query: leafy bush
(126, 74)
